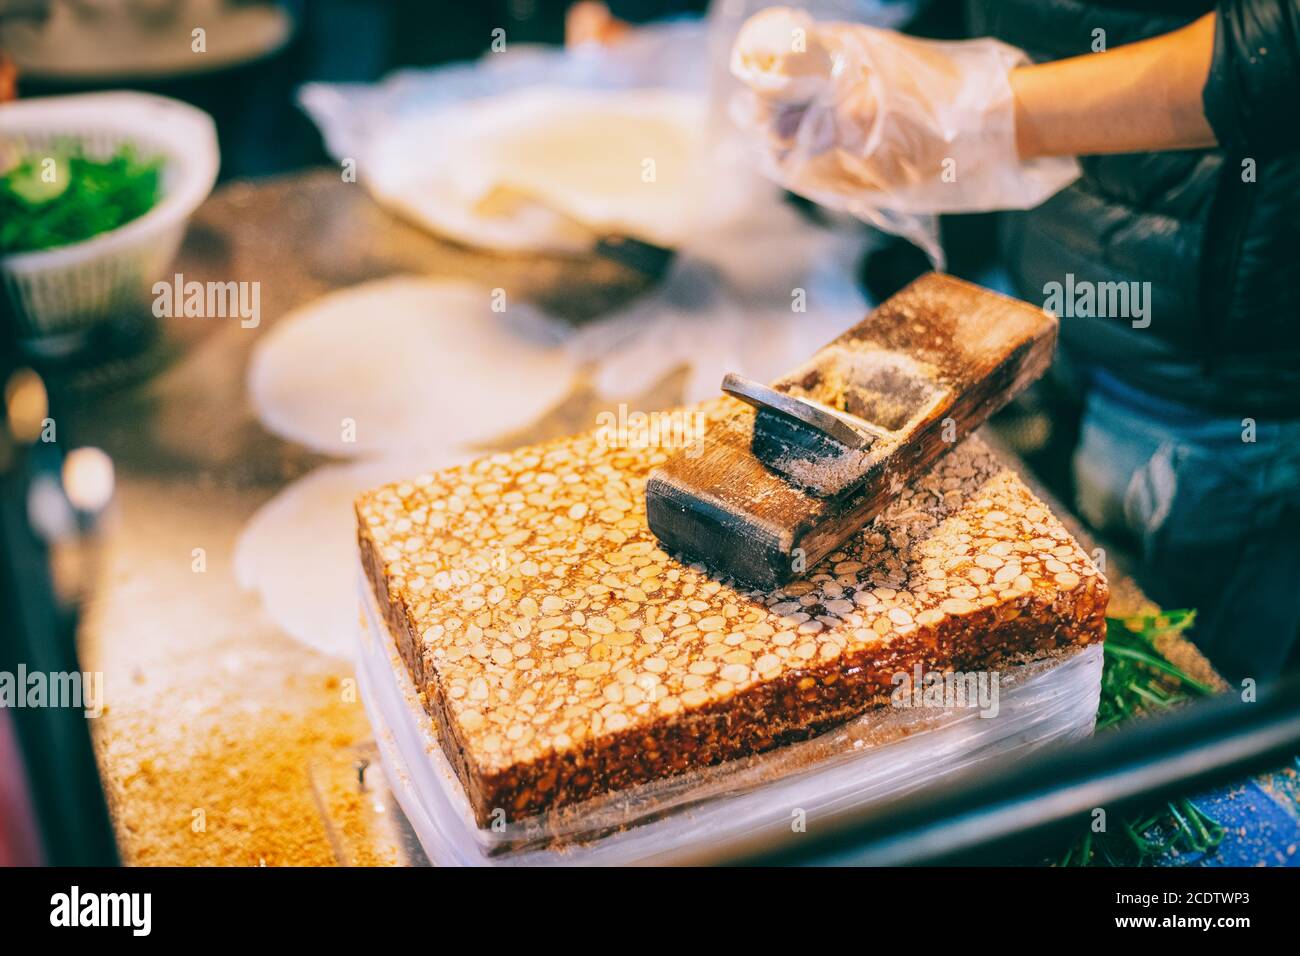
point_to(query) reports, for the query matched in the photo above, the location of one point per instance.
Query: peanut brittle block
(562, 654)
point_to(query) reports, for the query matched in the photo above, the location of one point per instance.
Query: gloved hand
(890, 128)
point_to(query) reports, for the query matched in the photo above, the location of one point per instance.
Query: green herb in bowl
(64, 196)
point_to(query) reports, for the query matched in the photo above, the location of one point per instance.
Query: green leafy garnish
(63, 196)
(1137, 678)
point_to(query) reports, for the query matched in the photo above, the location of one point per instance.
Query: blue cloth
(1260, 829)
(1215, 516)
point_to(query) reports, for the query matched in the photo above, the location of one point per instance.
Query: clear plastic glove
(890, 128)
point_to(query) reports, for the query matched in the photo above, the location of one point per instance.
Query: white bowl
(59, 293)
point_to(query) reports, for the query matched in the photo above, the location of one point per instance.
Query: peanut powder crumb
(198, 791)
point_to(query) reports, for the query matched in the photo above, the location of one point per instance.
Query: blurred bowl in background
(120, 41)
(60, 295)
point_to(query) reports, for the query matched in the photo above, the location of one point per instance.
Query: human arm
(1140, 97)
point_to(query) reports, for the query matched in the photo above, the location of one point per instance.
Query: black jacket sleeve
(1252, 94)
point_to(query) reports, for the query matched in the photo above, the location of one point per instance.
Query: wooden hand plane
(809, 459)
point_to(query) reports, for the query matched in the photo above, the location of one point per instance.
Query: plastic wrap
(452, 148)
(754, 278)
(530, 148)
(882, 754)
(891, 128)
